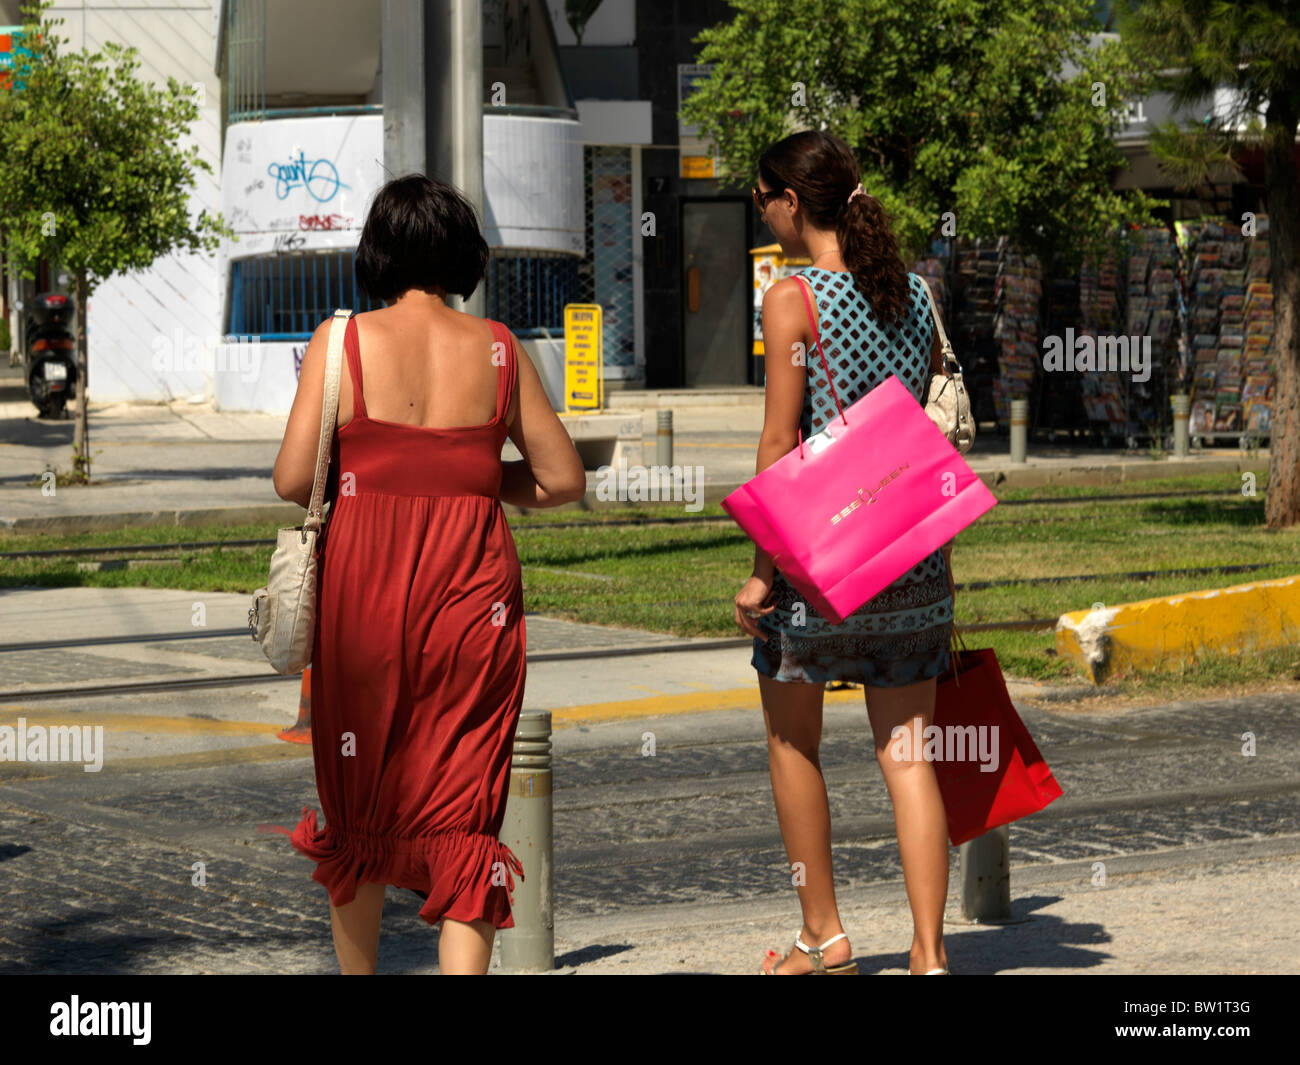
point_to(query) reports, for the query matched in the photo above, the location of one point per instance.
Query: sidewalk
(1229, 908)
(569, 663)
(186, 464)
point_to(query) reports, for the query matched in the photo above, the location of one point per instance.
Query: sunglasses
(761, 198)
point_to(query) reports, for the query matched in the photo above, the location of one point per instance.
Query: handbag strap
(328, 416)
(825, 366)
(946, 351)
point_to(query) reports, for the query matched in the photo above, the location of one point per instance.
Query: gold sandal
(849, 968)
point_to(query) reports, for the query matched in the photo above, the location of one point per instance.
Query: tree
(577, 13)
(92, 173)
(1251, 47)
(993, 116)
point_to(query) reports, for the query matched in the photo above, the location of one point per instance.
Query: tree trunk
(1282, 505)
(81, 436)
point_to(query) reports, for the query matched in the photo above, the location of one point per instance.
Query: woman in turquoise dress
(873, 319)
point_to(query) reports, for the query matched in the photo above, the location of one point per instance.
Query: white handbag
(283, 615)
(947, 402)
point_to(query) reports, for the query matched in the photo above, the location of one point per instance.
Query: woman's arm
(785, 335)
(295, 465)
(551, 472)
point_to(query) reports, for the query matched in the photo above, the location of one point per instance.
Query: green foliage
(93, 174)
(5, 339)
(1251, 47)
(999, 112)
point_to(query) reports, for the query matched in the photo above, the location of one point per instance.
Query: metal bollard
(664, 450)
(986, 876)
(530, 945)
(1019, 429)
(1182, 404)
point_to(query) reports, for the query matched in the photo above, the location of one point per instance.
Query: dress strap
(351, 345)
(507, 370)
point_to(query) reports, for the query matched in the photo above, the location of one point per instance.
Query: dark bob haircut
(420, 233)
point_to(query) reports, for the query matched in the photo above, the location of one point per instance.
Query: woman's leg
(356, 930)
(465, 947)
(793, 713)
(919, 819)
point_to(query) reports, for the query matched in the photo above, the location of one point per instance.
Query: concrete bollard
(1182, 404)
(986, 876)
(530, 945)
(664, 449)
(1019, 430)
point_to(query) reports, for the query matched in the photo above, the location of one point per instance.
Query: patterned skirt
(898, 637)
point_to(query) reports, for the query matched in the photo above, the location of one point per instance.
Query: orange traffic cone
(300, 731)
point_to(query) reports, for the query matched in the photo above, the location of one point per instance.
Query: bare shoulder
(520, 351)
(784, 293)
(318, 343)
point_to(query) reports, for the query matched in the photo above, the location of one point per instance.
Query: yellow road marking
(686, 703)
(746, 698)
(121, 722)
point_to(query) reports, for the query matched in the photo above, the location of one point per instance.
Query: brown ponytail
(821, 169)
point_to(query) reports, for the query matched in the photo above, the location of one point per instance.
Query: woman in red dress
(418, 664)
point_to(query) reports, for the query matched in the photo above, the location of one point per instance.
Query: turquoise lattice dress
(901, 635)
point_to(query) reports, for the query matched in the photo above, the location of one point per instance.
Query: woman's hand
(752, 597)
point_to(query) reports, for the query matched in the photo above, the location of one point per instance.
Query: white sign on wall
(298, 184)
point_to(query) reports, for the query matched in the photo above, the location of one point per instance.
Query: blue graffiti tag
(319, 177)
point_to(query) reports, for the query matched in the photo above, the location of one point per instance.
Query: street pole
(986, 877)
(530, 945)
(402, 72)
(1019, 429)
(453, 106)
(433, 99)
(1182, 404)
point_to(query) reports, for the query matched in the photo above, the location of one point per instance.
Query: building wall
(134, 320)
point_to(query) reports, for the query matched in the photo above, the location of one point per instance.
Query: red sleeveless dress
(417, 674)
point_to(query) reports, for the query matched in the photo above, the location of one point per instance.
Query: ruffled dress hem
(465, 876)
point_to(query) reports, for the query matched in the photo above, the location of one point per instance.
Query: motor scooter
(51, 353)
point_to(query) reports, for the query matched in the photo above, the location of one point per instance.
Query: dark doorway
(716, 293)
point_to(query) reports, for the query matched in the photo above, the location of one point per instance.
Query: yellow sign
(584, 375)
(697, 166)
(770, 266)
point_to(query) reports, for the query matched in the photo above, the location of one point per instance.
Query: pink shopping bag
(857, 505)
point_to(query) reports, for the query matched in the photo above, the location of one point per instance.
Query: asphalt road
(96, 869)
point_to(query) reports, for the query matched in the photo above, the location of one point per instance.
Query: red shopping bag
(972, 692)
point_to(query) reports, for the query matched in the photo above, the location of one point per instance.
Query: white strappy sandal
(932, 972)
(849, 968)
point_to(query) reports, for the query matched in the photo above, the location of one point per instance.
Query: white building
(292, 126)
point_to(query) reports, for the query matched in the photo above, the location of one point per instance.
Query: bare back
(426, 367)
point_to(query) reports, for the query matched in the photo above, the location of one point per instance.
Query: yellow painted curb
(685, 703)
(1178, 630)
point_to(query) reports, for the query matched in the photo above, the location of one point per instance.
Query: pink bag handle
(829, 380)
